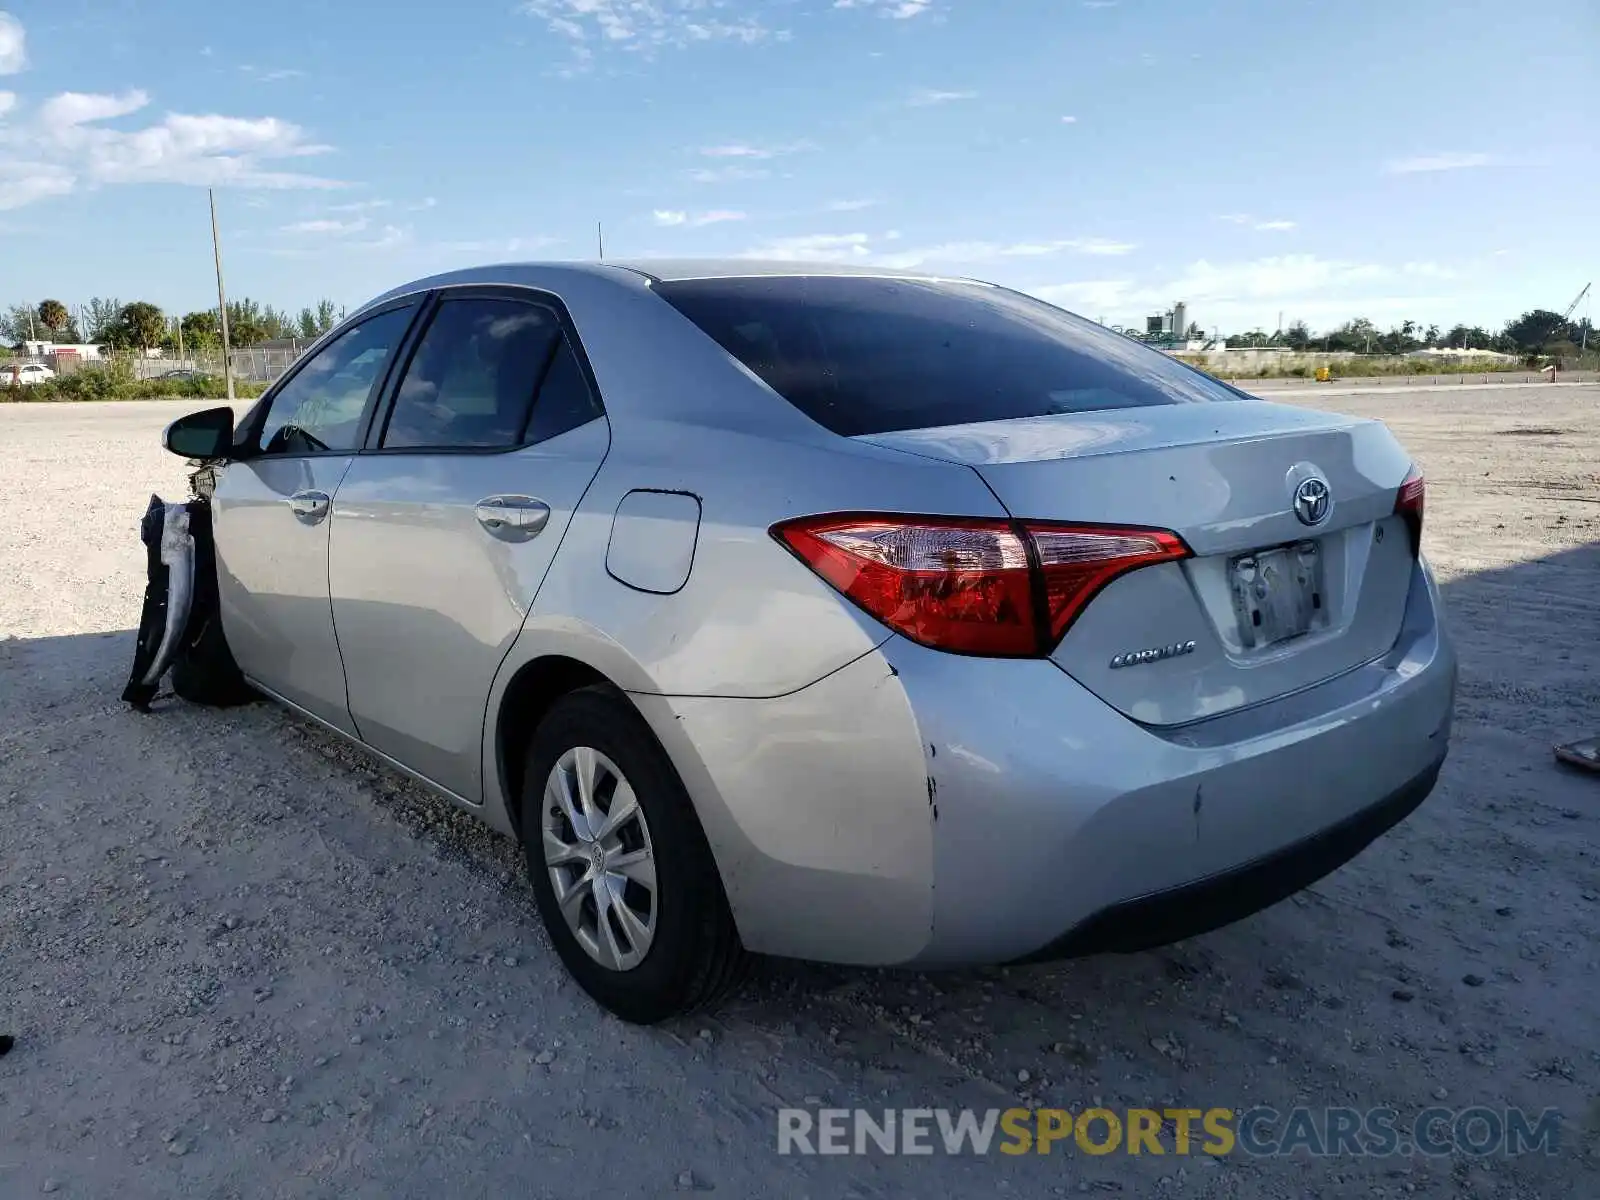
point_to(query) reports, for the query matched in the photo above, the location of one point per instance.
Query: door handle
(309, 507)
(513, 518)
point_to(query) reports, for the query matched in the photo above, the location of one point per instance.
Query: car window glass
(472, 379)
(565, 401)
(864, 355)
(320, 408)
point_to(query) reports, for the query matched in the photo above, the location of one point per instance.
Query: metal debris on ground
(1584, 754)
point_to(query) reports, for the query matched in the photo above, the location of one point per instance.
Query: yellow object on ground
(1322, 375)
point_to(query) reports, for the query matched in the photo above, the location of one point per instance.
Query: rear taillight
(970, 585)
(1409, 504)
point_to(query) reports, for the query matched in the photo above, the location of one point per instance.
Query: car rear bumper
(929, 809)
(1194, 908)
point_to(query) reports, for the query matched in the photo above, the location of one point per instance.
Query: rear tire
(692, 956)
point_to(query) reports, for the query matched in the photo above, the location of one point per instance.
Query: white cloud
(515, 245)
(728, 174)
(900, 10)
(22, 183)
(1098, 246)
(927, 97)
(425, 203)
(359, 206)
(13, 45)
(746, 151)
(1447, 161)
(81, 108)
(327, 226)
(975, 253)
(815, 247)
(862, 248)
(1069, 120)
(276, 75)
(646, 25)
(388, 237)
(1277, 225)
(852, 205)
(66, 144)
(8, 101)
(671, 218)
(1249, 293)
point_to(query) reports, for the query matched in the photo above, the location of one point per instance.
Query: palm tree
(53, 315)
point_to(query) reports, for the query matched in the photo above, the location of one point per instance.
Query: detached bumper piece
(1584, 755)
(181, 627)
(168, 592)
(1207, 904)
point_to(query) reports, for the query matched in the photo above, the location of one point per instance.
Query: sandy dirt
(241, 959)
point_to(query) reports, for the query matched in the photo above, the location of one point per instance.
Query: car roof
(676, 269)
(555, 276)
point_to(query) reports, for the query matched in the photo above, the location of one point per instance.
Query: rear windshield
(864, 355)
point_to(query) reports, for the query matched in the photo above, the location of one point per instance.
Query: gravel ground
(242, 959)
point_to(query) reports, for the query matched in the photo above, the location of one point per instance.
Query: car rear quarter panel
(740, 671)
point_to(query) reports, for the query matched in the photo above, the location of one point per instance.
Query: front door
(271, 509)
(444, 528)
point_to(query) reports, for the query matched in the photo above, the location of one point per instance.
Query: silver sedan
(844, 615)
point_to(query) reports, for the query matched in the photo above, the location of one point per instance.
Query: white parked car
(25, 373)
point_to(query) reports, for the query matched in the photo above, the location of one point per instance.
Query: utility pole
(178, 321)
(600, 236)
(222, 296)
(33, 334)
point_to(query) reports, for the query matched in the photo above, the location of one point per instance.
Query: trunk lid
(1269, 604)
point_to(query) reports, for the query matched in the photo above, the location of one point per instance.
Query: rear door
(443, 529)
(271, 508)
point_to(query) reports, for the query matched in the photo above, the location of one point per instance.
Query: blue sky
(1322, 158)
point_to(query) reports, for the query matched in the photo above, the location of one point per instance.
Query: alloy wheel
(598, 852)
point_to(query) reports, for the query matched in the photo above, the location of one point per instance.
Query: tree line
(1539, 332)
(140, 325)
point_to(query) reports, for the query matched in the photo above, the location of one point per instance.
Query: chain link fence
(257, 364)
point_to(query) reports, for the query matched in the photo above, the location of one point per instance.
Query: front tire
(625, 882)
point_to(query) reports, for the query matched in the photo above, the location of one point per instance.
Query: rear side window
(470, 383)
(489, 374)
(565, 401)
(864, 355)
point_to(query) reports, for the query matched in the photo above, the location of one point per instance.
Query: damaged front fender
(168, 597)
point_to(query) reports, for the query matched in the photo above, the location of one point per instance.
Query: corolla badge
(1312, 501)
(1137, 658)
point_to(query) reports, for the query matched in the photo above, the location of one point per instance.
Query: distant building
(49, 349)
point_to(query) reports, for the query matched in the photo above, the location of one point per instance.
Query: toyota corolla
(837, 614)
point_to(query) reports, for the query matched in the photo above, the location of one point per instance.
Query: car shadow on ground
(1454, 958)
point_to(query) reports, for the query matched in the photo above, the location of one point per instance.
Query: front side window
(320, 408)
(471, 383)
(865, 355)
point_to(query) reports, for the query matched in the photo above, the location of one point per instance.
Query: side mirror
(207, 435)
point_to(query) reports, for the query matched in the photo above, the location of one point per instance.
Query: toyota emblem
(1312, 501)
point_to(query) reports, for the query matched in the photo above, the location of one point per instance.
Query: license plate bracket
(1278, 593)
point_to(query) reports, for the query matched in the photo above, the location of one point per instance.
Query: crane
(1571, 308)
